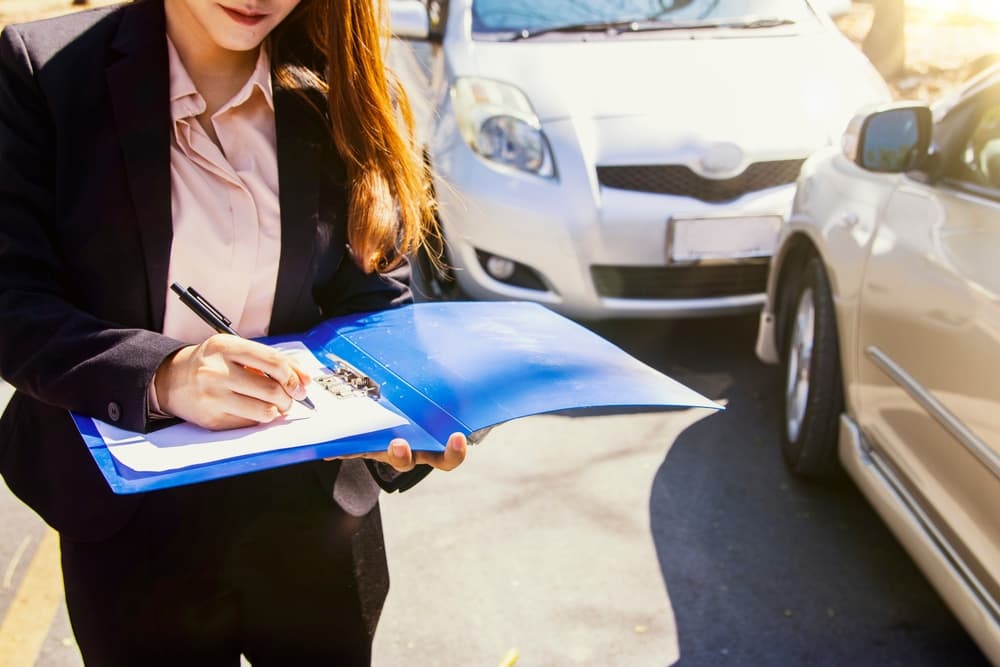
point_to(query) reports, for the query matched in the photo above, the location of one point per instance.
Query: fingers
(452, 456)
(267, 360)
(304, 378)
(252, 396)
(221, 383)
(401, 457)
(252, 383)
(227, 406)
(226, 421)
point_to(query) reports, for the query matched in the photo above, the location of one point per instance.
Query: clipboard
(440, 367)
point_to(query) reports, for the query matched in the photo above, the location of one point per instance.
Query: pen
(214, 318)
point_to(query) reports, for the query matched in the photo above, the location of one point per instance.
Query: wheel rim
(800, 349)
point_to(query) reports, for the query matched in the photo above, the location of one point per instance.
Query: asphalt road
(761, 568)
(620, 541)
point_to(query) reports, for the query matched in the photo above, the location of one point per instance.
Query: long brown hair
(390, 208)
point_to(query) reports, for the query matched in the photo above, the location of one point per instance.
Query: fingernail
(399, 450)
(456, 444)
(295, 388)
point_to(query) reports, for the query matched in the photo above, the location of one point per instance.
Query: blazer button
(114, 411)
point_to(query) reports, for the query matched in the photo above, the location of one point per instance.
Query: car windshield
(532, 16)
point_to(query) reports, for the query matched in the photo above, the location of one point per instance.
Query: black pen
(214, 318)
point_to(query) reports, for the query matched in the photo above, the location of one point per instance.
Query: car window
(981, 157)
(512, 16)
(967, 139)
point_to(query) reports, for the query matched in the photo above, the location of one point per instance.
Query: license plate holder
(719, 239)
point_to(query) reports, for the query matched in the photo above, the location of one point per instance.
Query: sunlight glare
(981, 9)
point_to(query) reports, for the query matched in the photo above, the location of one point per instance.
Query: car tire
(813, 385)
(433, 281)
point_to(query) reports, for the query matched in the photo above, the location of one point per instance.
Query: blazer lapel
(139, 86)
(300, 136)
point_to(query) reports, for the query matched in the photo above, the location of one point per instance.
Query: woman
(249, 148)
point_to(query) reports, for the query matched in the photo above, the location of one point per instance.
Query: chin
(241, 42)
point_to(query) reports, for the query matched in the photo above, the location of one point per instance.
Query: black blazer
(85, 233)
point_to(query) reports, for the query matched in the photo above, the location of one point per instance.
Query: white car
(626, 158)
(884, 308)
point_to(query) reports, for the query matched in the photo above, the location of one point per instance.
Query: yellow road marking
(27, 622)
(8, 577)
(511, 658)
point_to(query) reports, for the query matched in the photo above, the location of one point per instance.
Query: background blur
(761, 569)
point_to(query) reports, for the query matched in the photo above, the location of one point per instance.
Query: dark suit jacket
(85, 233)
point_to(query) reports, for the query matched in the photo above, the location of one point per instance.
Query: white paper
(185, 444)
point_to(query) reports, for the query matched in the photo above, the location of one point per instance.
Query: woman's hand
(221, 383)
(399, 455)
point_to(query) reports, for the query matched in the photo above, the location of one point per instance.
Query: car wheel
(433, 281)
(814, 394)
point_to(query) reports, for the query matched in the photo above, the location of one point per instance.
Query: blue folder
(447, 367)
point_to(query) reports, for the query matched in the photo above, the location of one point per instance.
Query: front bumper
(766, 346)
(597, 252)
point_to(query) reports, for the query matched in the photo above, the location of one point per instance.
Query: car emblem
(723, 159)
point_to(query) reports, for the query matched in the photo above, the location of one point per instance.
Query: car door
(929, 334)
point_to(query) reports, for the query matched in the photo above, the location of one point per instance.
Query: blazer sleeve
(353, 291)
(50, 348)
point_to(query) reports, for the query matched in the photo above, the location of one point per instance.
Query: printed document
(185, 444)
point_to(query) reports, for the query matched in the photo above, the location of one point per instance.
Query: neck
(217, 73)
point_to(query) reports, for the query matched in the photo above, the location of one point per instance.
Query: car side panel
(929, 337)
(834, 215)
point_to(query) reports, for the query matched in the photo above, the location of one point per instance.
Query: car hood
(789, 93)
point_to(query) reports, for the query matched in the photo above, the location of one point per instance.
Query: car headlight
(497, 122)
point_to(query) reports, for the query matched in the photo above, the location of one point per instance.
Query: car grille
(689, 281)
(677, 179)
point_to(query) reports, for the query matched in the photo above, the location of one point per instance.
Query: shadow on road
(763, 569)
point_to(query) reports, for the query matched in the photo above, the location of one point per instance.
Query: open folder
(419, 372)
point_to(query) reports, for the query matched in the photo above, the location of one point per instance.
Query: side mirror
(891, 140)
(408, 19)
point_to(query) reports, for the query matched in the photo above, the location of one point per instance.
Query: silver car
(626, 158)
(883, 305)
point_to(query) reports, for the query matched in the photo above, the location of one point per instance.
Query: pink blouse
(224, 204)
(226, 218)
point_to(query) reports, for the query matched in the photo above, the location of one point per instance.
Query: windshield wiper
(598, 26)
(753, 23)
(647, 25)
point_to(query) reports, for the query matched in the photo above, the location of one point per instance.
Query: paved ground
(614, 541)
(580, 541)
(542, 544)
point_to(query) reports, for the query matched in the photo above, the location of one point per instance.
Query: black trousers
(266, 565)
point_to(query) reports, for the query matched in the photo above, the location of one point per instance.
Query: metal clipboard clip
(346, 381)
